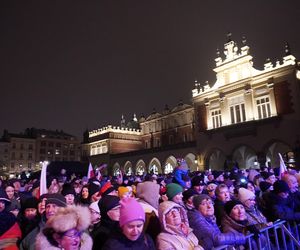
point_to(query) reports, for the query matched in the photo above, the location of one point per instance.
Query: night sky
(74, 65)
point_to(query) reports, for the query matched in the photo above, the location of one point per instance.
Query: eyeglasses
(73, 235)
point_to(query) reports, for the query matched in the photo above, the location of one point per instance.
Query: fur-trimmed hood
(70, 217)
(41, 243)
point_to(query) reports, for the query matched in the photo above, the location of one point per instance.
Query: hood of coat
(149, 192)
(164, 208)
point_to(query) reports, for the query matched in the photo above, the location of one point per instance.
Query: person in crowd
(188, 196)
(29, 218)
(95, 219)
(14, 206)
(65, 230)
(94, 191)
(222, 196)
(10, 232)
(230, 185)
(269, 177)
(109, 207)
(203, 222)
(198, 184)
(84, 196)
(180, 171)
(69, 193)
(254, 216)
(174, 193)
(211, 189)
(218, 176)
(294, 194)
(54, 189)
(130, 233)
(53, 203)
(147, 193)
(235, 221)
(176, 233)
(279, 204)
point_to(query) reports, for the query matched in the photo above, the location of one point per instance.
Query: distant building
(25, 151)
(154, 147)
(247, 116)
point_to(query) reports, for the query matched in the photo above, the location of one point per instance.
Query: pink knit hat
(130, 210)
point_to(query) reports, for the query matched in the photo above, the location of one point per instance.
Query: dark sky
(74, 65)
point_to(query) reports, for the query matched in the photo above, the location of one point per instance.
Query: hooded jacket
(172, 237)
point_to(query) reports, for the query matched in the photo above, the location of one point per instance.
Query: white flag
(43, 181)
(90, 173)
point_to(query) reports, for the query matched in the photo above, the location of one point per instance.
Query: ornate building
(154, 147)
(248, 116)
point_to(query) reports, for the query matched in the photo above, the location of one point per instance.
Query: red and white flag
(91, 172)
(282, 167)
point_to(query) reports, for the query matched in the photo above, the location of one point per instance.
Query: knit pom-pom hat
(130, 210)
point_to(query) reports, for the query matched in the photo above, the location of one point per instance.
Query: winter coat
(172, 237)
(255, 217)
(208, 233)
(178, 176)
(28, 243)
(219, 211)
(119, 241)
(8, 240)
(42, 243)
(231, 226)
(280, 208)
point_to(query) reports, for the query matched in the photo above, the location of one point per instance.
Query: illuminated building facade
(248, 116)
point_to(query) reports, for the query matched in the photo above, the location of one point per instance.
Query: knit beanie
(199, 198)
(67, 189)
(130, 210)
(93, 188)
(173, 189)
(229, 205)
(197, 181)
(264, 186)
(122, 190)
(280, 186)
(30, 202)
(57, 199)
(245, 194)
(188, 194)
(107, 203)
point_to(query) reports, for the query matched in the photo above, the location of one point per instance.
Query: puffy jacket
(208, 233)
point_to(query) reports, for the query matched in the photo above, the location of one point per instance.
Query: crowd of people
(182, 210)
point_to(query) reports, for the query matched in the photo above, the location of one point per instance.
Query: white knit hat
(245, 194)
(94, 206)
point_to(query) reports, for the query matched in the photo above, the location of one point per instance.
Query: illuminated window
(168, 168)
(237, 113)
(263, 107)
(153, 169)
(216, 118)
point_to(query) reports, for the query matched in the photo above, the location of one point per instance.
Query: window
(216, 118)
(12, 165)
(263, 107)
(22, 146)
(237, 113)
(30, 147)
(58, 144)
(157, 142)
(13, 155)
(43, 143)
(168, 168)
(29, 156)
(50, 144)
(14, 145)
(42, 151)
(29, 165)
(146, 144)
(21, 156)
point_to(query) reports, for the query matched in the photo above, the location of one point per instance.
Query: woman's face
(238, 213)
(133, 229)
(85, 193)
(10, 191)
(173, 217)
(70, 240)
